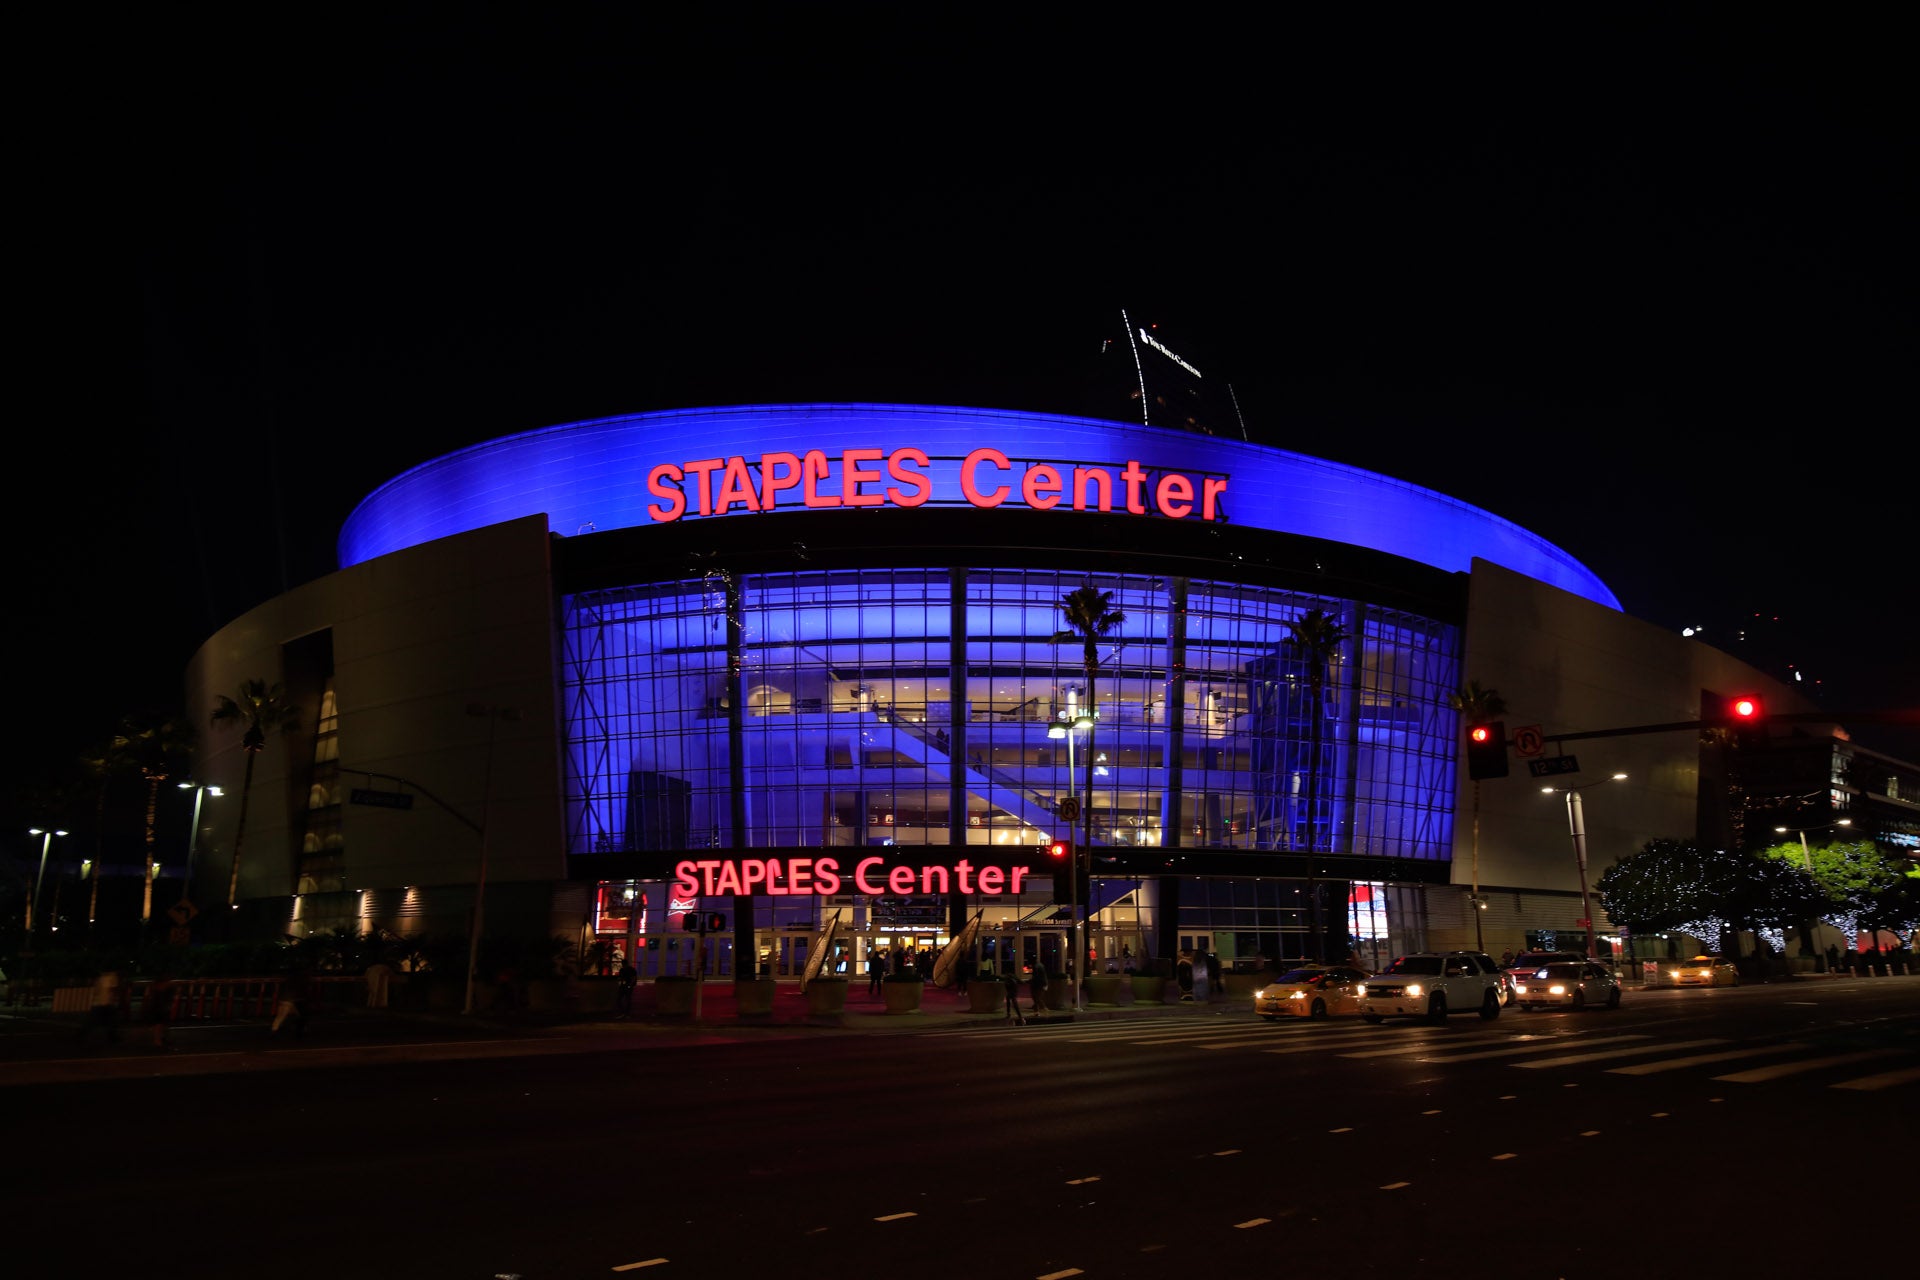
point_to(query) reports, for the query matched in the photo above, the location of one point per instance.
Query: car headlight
(1361, 991)
(1414, 989)
(1298, 995)
(1556, 990)
(1519, 990)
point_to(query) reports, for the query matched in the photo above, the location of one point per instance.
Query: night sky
(1644, 287)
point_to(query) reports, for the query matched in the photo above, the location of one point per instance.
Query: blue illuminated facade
(814, 627)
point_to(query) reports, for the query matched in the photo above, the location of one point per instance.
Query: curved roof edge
(594, 475)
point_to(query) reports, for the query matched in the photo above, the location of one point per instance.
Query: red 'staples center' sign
(777, 877)
(903, 478)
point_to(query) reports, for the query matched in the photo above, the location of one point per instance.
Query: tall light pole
(1061, 729)
(46, 844)
(494, 715)
(1806, 852)
(1577, 825)
(201, 790)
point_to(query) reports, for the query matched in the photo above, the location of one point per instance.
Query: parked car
(1313, 991)
(1701, 971)
(1567, 984)
(1432, 984)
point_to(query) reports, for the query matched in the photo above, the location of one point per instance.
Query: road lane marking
(1348, 1129)
(1506, 1155)
(1395, 1186)
(1866, 1083)
(1081, 1182)
(895, 1217)
(1591, 1133)
(1700, 1060)
(1251, 1222)
(635, 1266)
(1061, 1275)
(1429, 1113)
(1780, 1070)
(1573, 1059)
(1428, 1046)
(1230, 1151)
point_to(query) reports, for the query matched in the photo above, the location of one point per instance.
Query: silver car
(1567, 984)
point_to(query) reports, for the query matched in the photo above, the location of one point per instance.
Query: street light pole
(200, 791)
(46, 844)
(1076, 939)
(1577, 826)
(494, 715)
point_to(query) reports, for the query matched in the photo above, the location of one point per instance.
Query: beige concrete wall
(1570, 665)
(417, 636)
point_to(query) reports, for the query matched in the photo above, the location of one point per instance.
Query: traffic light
(1742, 713)
(716, 922)
(690, 922)
(1487, 750)
(1057, 851)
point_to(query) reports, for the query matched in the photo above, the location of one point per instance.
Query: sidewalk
(38, 1046)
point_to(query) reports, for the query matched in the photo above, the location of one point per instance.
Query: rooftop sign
(906, 477)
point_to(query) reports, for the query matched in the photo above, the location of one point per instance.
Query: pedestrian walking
(156, 1011)
(379, 974)
(296, 999)
(624, 984)
(1833, 958)
(876, 970)
(103, 1006)
(1037, 987)
(1214, 990)
(1011, 981)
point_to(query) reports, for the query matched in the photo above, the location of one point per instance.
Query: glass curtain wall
(848, 715)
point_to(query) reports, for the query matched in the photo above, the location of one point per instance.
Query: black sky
(1644, 285)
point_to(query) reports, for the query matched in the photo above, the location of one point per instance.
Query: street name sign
(1548, 766)
(383, 799)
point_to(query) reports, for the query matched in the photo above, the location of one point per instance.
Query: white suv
(1432, 984)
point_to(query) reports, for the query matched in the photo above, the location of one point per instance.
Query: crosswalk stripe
(1574, 1059)
(1518, 1050)
(1428, 1045)
(1779, 1070)
(1885, 1079)
(1702, 1059)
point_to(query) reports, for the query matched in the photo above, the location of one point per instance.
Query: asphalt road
(1755, 1128)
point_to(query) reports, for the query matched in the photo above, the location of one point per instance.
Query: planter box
(548, 995)
(1103, 988)
(753, 997)
(827, 995)
(674, 994)
(902, 997)
(1059, 993)
(986, 997)
(594, 995)
(1150, 988)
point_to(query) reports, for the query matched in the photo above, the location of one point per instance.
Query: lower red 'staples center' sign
(905, 478)
(780, 877)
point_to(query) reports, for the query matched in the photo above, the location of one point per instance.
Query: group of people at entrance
(899, 960)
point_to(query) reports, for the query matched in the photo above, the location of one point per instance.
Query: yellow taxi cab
(1312, 991)
(1701, 971)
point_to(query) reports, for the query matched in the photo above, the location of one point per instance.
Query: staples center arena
(804, 666)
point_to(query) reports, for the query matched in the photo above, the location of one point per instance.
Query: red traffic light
(1744, 708)
(1481, 733)
(1057, 851)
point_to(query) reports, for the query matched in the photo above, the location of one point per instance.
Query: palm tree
(159, 746)
(1477, 705)
(1091, 617)
(1316, 636)
(260, 707)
